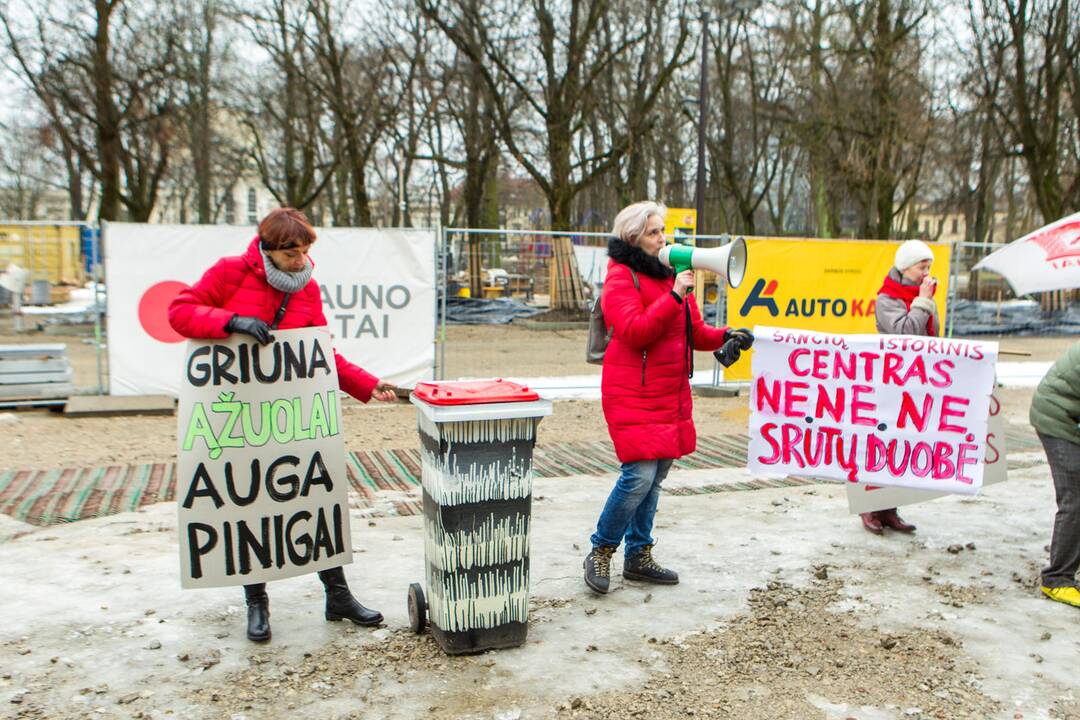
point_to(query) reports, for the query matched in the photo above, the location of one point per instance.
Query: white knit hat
(911, 252)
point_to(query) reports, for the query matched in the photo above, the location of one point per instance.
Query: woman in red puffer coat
(645, 388)
(246, 294)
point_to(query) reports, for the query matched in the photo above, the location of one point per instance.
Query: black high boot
(258, 607)
(340, 603)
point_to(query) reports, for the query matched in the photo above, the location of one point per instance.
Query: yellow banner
(826, 285)
(680, 225)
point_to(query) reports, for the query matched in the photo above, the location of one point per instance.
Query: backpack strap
(280, 311)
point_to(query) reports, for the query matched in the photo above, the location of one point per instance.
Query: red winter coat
(644, 389)
(237, 286)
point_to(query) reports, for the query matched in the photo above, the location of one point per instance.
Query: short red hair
(285, 228)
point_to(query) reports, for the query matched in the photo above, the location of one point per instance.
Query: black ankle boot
(598, 568)
(642, 567)
(340, 603)
(258, 607)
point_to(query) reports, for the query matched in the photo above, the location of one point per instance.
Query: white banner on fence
(891, 410)
(262, 492)
(378, 289)
(868, 498)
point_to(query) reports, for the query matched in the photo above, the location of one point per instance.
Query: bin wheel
(417, 608)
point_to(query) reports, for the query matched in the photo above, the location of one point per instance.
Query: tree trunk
(361, 200)
(108, 130)
(200, 147)
(73, 166)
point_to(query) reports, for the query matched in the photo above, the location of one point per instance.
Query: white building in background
(244, 204)
(43, 204)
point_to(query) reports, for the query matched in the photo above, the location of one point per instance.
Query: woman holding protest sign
(645, 389)
(904, 306)
(270, 287)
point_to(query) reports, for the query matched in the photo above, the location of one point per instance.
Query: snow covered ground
(96, 625)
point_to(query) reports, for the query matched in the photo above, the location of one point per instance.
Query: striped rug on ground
(384, 481)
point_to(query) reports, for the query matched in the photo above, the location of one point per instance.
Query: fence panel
(515, 268)
(62, 263)
(983, 303)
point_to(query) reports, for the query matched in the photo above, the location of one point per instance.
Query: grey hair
(630, 222)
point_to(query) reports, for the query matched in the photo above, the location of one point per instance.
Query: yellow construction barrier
(49, 252)
(826, 285)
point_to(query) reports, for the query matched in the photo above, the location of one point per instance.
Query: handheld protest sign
(262, 491)
(864, 498)
(889, 410)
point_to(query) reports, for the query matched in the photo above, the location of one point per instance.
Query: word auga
(216, 364)
(280, 489)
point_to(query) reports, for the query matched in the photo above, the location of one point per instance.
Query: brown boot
(890, 519)
(871, 522)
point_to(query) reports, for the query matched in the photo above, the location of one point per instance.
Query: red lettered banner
(891, 410)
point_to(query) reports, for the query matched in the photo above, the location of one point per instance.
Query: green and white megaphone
(728, 261)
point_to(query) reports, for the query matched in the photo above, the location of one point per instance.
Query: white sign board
(378, 290)
(262, 492)
(889, 410)
(868, 498)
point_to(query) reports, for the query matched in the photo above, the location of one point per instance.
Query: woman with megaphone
(904, 306)
(645, 388)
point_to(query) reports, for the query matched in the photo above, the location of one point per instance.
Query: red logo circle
(154, 311)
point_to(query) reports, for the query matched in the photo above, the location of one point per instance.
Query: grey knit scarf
(288, 282)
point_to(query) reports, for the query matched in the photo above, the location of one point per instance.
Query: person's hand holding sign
(252, 326)
(384, 392)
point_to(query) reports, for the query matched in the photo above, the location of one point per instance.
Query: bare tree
(808, 111)
(464, 131)
(554, 60)
(574, 55)
(282, 109)
(351, 80)
(208, 132)
(34, 163)
(24, 170)
(864, 114)
(407, 51)
(746, 149)
(620, 106)
(1033, 50)
(105, 77)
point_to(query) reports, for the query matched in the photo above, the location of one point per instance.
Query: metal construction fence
(56, 268)
(492, 277)
(518, 263)
(982, 303)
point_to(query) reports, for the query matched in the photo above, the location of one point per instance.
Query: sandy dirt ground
(786, 608)
(44, 439)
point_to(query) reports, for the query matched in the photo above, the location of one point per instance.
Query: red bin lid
(473, 392)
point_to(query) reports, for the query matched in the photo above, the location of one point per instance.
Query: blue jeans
(630, 507)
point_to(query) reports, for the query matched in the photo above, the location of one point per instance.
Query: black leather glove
(252, 326)
(744, 336)
(729, 352)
